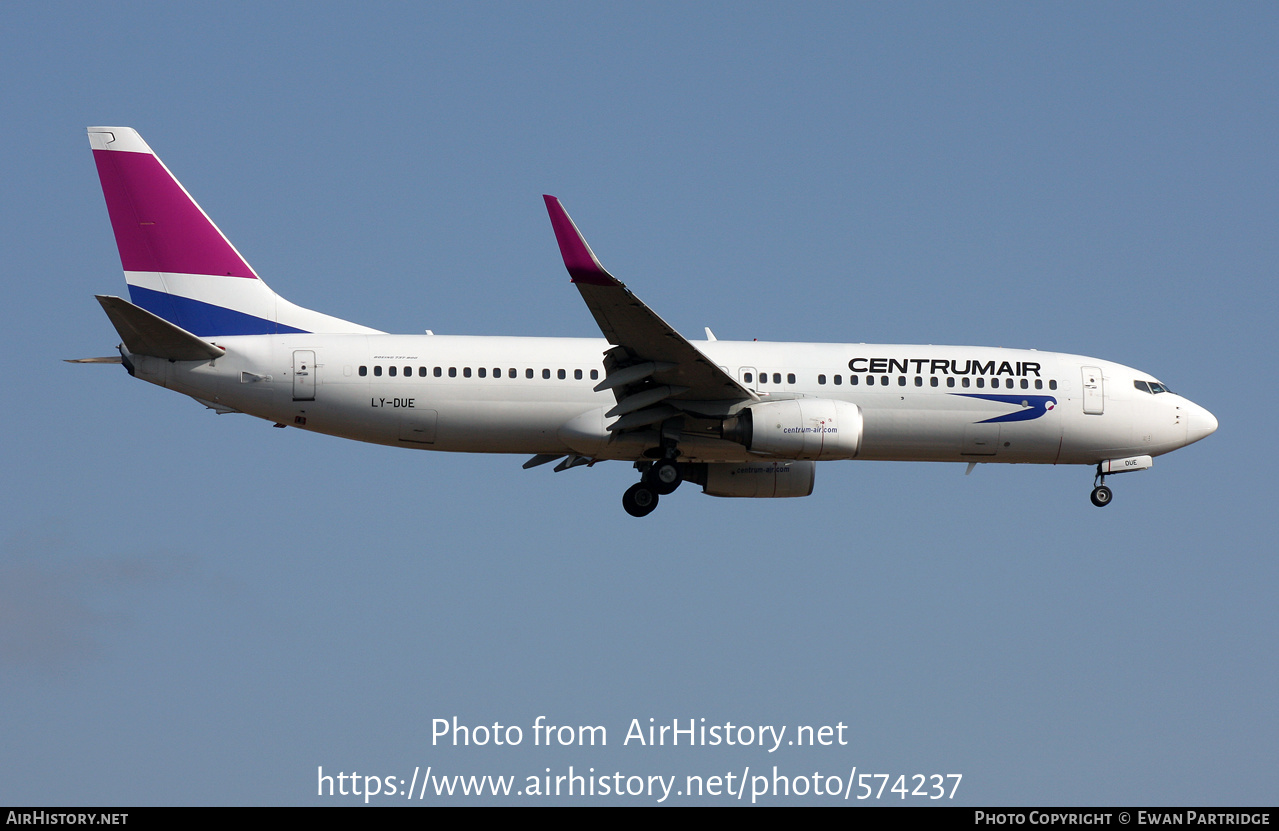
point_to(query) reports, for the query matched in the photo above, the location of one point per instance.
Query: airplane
(740, 419)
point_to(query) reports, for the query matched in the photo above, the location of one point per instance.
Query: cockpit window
(1152, 387)
(1141, 385)
(1157, 387)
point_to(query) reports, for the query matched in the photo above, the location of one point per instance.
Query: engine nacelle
(757, 480)
(801, 428)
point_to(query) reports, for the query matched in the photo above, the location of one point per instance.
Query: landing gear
(656, 479)
(664, 476)
(1101, 494)
(640, 499)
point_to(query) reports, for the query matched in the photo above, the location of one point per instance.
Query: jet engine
(762, 479)
(803, 428)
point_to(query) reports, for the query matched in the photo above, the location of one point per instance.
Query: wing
(653, 370)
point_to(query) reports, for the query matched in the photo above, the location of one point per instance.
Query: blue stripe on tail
(205, 319)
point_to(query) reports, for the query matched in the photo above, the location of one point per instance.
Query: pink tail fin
(178, 264)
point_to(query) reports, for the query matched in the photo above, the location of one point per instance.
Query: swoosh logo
(1032, 406)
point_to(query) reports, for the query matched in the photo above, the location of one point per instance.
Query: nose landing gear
(1101, 494)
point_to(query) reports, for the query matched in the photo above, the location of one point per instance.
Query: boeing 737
(739, 419)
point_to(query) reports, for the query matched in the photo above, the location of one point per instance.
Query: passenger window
(748, 378)
(391, 371)
(777, 377)
(408, 372)
(377, 371)
(1052, 385)
(839, 379)
(883, 380)
(577, 374)
(790, 378)
(981, 382)
(561, 375)
(932, 382)
(546, 374)
(950, 382)
(364, 370)
(994, 382)
(1039, 385)
(437, 372)
(452, 372)
(483, 372)
(1025, 384)
(852, 380)
(901, 380)
(821, 379)
(421, 372)
(528, 373)
(919, 380)
(964, 382)
(512, 373)
(595, 374)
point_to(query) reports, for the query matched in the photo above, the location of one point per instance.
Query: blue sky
(200, 609)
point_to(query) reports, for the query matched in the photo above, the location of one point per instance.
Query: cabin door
(303, 375)
(1094, 393)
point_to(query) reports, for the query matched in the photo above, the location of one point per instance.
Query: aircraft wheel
(640, 499)
(1101, 496)
(665, 477)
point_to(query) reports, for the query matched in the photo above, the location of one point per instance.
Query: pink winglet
(580, 261)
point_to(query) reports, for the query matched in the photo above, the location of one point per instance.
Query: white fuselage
(535, 396)
(741, 419)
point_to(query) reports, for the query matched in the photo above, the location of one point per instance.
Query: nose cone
(1199, 424)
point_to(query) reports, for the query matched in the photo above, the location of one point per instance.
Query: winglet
(582, 265)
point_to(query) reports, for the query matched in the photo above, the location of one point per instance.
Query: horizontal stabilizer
(110, 359)
(144, 333)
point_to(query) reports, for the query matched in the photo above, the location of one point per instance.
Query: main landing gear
(640, 499)
(657, 479)
(1101, 494)
(665, 476)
